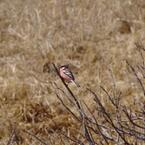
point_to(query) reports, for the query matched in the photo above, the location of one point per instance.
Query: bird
(67, 75)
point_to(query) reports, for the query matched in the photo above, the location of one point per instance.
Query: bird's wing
(69, 74)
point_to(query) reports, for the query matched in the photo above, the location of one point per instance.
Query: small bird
(67, 75)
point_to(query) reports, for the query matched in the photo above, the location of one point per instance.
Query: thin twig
(34, 136)
(134, 72)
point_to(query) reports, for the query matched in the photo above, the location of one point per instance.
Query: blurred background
(95, 37)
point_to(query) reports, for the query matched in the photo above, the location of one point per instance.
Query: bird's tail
(77, 84)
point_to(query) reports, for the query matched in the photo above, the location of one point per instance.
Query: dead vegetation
(102, 41)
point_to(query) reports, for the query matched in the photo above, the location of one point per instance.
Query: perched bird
(67, 75)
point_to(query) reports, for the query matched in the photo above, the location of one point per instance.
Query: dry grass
(94, 37)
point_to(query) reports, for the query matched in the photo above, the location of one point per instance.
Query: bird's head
(64, 66)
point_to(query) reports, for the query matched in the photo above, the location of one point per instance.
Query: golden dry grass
(94, 36)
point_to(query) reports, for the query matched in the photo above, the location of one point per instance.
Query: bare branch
(130, 119)
(69, 90)
(34, 136)
(108, 118)
(71, 139)
(12, 138)
(140, 82)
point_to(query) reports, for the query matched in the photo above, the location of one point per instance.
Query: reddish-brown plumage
(66, 74)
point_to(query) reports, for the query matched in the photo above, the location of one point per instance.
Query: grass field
(95, 37)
